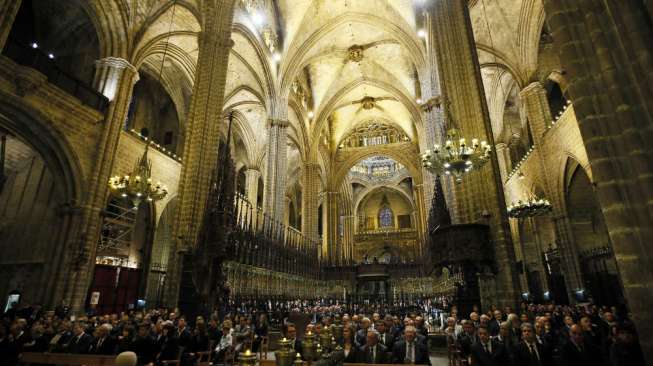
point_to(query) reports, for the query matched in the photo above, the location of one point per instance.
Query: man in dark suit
(495, 323)
(105, 344)
(577, 352)
(467, 338)
(385, 338)
(488, 352)
(183, 334)
(529, 352)
(361, 335)
(421, 327)
(80, 342)
(373, 351)
(409, 350)
(291, 334)
(143, 345)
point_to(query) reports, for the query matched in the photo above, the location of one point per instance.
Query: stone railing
(394, 233)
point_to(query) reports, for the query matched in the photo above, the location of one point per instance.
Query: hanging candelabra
(458, 156)
(137, 186)
(529, 208)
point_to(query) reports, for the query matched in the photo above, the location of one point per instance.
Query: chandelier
(457, 156)
(137, 186)
(530, 208)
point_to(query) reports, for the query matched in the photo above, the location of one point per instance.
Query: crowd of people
(536, 335)
(541, 335)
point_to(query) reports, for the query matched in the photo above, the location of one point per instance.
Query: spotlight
(51, 56)
(257, 18)
(311, 114)
(421, 33)
(35, 45)
(276, 57)
(419, 100)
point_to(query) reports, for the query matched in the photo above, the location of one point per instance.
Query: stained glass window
(385, 217)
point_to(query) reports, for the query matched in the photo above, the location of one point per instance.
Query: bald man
(577, 352)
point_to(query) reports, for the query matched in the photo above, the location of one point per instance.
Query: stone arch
(46, 192)
(163, 248)
(35, 128)
(590, 236)
(367, 191)
(401, 154)
(63, 29)
(155, 109)
(110, 25)
(529, 30)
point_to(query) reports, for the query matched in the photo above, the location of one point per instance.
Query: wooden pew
(28, 358)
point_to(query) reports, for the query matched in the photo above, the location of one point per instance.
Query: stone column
(8, 11)
(537, 109)
(503, 158)
(605, 49)
(310, 191)
(420, 216)
(348, 238)
(432, 116)
(115, 78)
(252, 176)
(480, 197)
(286, 216)
(334, 248)
(275, 178)
(202, 131)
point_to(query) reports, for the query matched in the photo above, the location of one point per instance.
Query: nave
(412, 158)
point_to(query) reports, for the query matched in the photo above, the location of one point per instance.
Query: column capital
(116, 62)
(310, 166)
(533, 87)
(433, 102)
(222, 42)
(500, 146)
(278, 122)
(114, 74)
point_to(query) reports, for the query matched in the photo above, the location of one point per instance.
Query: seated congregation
(540, 335)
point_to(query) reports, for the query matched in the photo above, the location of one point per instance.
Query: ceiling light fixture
(138, 186)
(35, 45)
(529, 208)
(311, 114)
(419, 100)
(457, 157)
(421, 33)
(276, 57)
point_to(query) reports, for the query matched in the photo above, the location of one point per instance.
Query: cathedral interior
(193, 153)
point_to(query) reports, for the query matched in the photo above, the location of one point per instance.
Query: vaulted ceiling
(354, 61)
